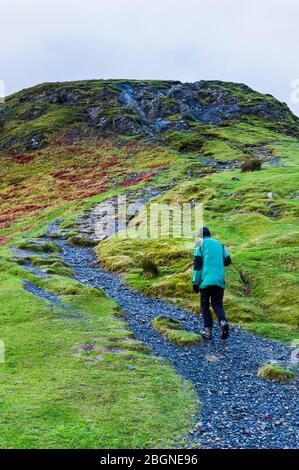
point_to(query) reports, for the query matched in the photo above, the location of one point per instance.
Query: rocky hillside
(155, 110)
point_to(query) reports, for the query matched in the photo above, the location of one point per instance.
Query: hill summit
(135, 109)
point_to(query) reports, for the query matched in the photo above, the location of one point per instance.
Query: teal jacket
(210, 257)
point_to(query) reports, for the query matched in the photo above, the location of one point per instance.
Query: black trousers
(213, 294)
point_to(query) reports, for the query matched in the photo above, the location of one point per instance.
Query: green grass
(173, 331)
(221, 150)
(183, 141)
(275, 373)
(77, 378)
(249, 131)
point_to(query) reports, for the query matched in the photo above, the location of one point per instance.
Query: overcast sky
(249, 41)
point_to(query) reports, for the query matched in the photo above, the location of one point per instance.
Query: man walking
(210, 257)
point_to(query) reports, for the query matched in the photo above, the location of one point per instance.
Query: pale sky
(249, 41)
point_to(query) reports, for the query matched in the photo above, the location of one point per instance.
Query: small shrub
(149, 267)
(276, 374)
(251, 165)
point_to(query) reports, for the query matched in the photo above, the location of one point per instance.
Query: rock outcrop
(132, 108)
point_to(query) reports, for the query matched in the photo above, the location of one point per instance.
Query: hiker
(210, 257)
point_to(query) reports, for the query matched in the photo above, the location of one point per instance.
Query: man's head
(204, 232)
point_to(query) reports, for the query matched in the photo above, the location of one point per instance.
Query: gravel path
(240, 410)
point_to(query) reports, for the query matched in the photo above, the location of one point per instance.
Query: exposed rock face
(134, 107)
(152, 109)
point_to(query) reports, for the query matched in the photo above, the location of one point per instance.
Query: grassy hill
(66, 146)
(257, 219)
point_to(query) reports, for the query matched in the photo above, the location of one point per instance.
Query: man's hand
(196, 288)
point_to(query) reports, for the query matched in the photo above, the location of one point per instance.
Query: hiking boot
(224, 329)
(206, 333)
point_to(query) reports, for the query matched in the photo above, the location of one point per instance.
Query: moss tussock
(81, 241)
(173, 331)
(41, 247)
(275, 373)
